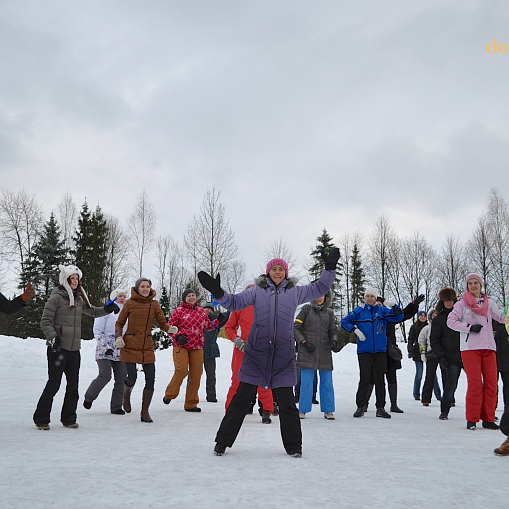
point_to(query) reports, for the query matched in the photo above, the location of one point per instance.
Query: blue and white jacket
(372, 322)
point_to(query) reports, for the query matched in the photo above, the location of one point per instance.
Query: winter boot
(489, 425)
(87, 404)
(266, 417)
(380, 412)
(503, 450)
(329, 416)
(219, 449)
(315, 401)
(276, 409)
(43, 426)
(443, 416)
(302, 415)
(359, 412)
(393, 395)
(471, 425)
(368, 395)
(127, 398)
(145, 403)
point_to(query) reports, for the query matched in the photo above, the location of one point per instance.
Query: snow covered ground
(411, 460)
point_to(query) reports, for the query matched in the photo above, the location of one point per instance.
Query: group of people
(262, 325)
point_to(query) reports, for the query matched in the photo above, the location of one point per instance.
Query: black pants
(368, 362)
(505, 388)
(210, 372)
(132, 374)
(429, 381)
(390, 376)
(63, 362)
(288, 417)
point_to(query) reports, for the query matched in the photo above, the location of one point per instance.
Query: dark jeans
(453, 374)
(376, 362)
(430, 382)
(288, 417)
(210, 372)
(315, 382)
(64, 362)
(132, 374)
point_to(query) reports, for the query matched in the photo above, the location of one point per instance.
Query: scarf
(471, 303)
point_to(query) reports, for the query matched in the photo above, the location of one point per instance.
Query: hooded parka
(139, 347)
(317, 326)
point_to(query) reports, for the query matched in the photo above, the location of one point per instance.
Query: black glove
(443, 362)
(111, 308)
(308, 346)
(334, 345)
(54, 343)
(181, 339)
(221, 317)
(211, 284)
(108, 352)
(410, 355)
(419, 299)
(331, 260)
(476, 327)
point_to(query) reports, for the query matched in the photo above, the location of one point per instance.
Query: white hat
(370, 291)
(114, 293)
(65, 273)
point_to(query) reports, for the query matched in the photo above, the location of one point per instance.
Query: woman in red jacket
(188, 344)
(238, 327)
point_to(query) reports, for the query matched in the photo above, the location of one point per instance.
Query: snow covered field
(411, 460)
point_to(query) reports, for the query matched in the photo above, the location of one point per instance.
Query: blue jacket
(372, 322)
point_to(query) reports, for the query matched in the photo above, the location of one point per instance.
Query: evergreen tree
(41, 268)
(161, 340)
(90, 256)
(357, 279)
(323, 247)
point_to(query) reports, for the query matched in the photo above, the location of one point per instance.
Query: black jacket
(445, 342)
(502, 341)
(408, 312)
(11, 306)
(413, 340)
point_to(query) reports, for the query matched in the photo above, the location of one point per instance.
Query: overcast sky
(304, 114)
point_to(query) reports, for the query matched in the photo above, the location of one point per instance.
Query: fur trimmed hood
(263, 283)
(326, 303)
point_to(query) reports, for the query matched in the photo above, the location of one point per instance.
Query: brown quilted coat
(139, 312)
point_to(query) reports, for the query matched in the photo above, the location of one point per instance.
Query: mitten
(111, 308)
(221, 317)
(476, 327)
(28, 293)
(359, 334)
(308, 346)
(119, 341)
(389, 304)
(239, 343)
(173, 329)
(213, 285)
(181, 339)
(331, 260)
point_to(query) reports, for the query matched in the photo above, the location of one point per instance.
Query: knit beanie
(277, 261)
(186, 292)
(208, 305)
(421, 312)
(63, 278)
(114, 293)
(474, 276)
(370, 291)
(139, 281)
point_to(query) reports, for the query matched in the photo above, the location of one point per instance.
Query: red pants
(264, 395)
(482, 376)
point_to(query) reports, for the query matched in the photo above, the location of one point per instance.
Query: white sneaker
(302, 415)
(329, 415)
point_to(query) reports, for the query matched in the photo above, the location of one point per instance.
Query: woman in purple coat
(269, 354)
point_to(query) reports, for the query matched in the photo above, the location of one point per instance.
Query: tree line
(112, 255)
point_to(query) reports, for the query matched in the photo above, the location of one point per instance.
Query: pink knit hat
(277, 261)
(474, 276)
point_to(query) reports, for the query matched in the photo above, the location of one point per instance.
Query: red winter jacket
(191, 320)
(243, 319)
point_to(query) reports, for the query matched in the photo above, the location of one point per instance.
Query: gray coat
(318, 327)
(59, 318)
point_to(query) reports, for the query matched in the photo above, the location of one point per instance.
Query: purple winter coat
(269, 354)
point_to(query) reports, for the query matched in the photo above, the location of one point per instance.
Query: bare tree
(451, 264)
(498, 229)
(278, 248)
(381, 253)
(116, 272)
(21, 220)
(346, 245)
(171, 270)
(141, 226)
(479, 252)
(210, 242)
(234, 276)
(67, 214)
